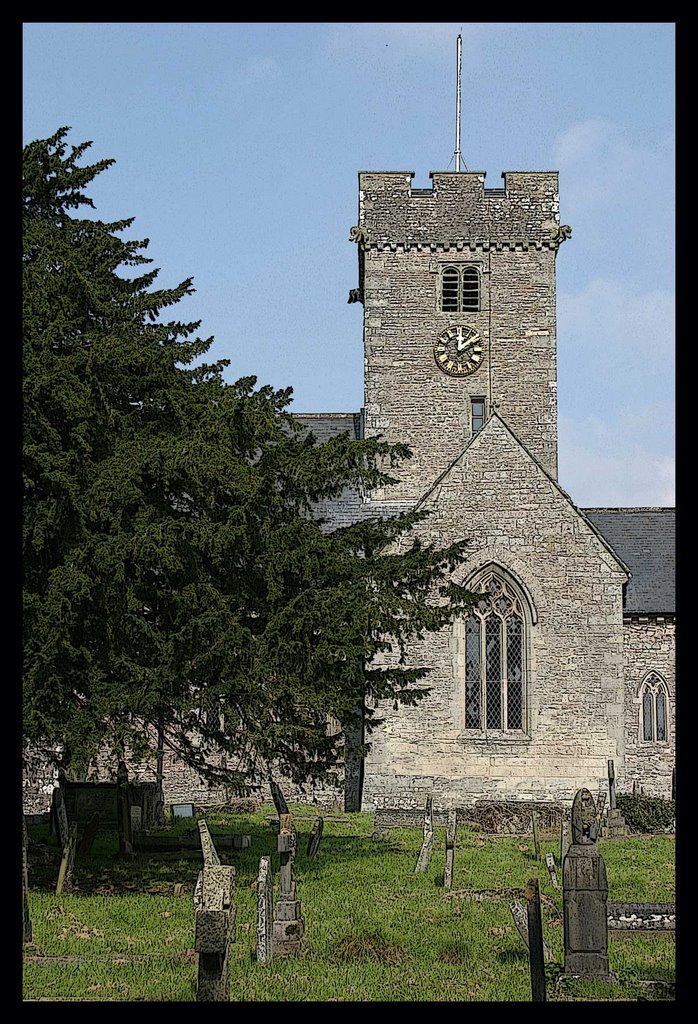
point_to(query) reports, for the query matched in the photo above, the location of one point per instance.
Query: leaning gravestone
(550, 862)
(428, 842)
(265, 896)
(214, 923)
(60, 816)
(585, 897)
(65, 872)
(520, 915)
(536, 840)
(288, 926)
(315, 837)
(565, 836)
(615, 822)
(278, 798)
(451, 826)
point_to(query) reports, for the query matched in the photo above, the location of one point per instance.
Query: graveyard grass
(374, 930)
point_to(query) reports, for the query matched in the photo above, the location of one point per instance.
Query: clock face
(458, 351)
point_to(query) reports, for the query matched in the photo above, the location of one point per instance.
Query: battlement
(458, 208)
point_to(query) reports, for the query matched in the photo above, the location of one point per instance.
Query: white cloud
(598, 471)
(619, 318)
(600, 164)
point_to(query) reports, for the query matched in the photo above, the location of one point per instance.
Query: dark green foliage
(175, 578)
(646, 813)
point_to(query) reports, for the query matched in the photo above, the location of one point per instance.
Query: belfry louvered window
(460, 289)
(495, 659)
(655, 703)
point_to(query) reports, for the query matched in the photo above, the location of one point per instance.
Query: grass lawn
(374, 930)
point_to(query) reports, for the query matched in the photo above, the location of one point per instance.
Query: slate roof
(645, 539)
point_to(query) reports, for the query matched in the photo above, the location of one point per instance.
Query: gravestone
(214, 923)
(550, 862)
(88, 836)
(535, 941)
(451, 826)
(599, 813)
(315, 837)
(65, 872)
(265, 896)
(585, 897)
(536, 840)
(520, 916)
(123, 811)
(428, 842)
(565, 836)
(615, 822)
(278, 798)
(59, 817)
(288, 926)
(26, 920)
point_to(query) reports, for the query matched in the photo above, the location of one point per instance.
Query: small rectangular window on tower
(477, 413)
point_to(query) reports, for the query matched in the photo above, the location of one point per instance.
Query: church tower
(458, 286)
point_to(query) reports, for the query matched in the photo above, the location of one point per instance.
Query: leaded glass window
(654, 702)
(495, 659)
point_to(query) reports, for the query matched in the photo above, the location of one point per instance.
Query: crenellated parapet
(459, 212)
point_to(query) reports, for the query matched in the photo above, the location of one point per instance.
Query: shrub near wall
(647, 813)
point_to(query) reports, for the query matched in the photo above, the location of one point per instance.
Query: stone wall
(649, 646)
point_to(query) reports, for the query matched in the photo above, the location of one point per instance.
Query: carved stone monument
(214, 923)
(451, 826)
(265, 899)
(428, 842)
(585, 897)
(615, 822)
(288, 926)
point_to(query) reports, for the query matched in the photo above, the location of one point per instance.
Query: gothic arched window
(460, 289)
(654, 713)
(495, 658)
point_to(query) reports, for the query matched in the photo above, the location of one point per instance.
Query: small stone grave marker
(550, 862)
(536, 840)
(535, 941)
(65, 872)
(451, 826)
(428, 842)
(265, 896)
(315, 837)
(520, 916)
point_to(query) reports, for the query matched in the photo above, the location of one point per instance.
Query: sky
(238, 147)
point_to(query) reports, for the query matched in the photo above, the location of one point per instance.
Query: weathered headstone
(599, 813)
(88, 836)
(535, 941)
(26, 920)
(520, 916)
(451, 826)
(615, 822)
(315, 837)
(565, 836)
(214, 924)
(585, 897)
(550, 862)
(288, 926)
(536, 840)
(265, 896)
(278, 798)
(123, 811)
(65, 872)
(60, 816)
(428, 842)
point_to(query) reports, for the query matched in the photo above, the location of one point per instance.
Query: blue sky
(238, 147)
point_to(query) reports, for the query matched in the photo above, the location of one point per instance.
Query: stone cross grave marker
(428, 842)
(520, 916)
(265, 898)
(214, 923)
(315, 837)
(615, 822)
(451, 826)
(288, 926)
(535, 941)
(536, 840)
(26, 920)
(550, 862)
(585, 897)
(65, 872)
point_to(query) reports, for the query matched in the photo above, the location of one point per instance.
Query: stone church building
(568, 659)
